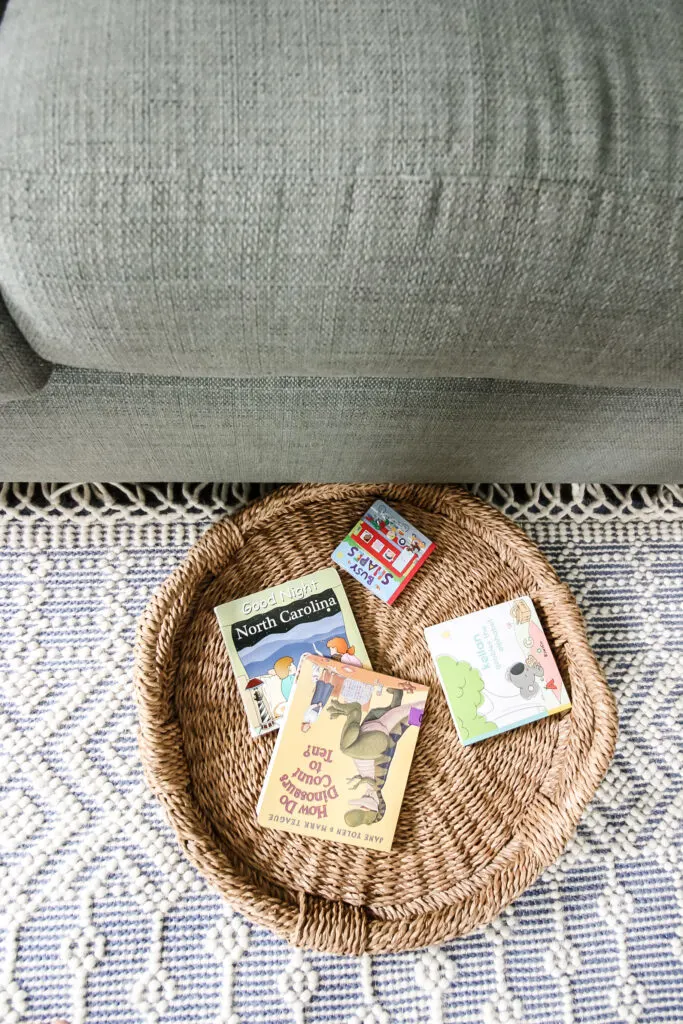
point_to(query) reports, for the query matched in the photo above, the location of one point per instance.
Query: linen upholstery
(90, 425)
(21, 371)
(416, 188)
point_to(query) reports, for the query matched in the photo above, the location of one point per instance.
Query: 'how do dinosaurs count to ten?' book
(341, 760)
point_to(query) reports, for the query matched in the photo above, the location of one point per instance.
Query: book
(266, 634)
(497, 669)
(383, 551)
(341, 760)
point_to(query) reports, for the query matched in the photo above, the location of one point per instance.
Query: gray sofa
(407, 239)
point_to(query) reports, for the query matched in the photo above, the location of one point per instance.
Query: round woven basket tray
(478, 824)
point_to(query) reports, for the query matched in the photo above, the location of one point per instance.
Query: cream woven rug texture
(103, 922)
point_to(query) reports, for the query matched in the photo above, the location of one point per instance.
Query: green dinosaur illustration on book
(464, 686)
(371, 742)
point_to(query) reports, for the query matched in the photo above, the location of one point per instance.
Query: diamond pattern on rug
(102, 920)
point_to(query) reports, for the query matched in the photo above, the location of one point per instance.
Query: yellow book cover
(341, 761)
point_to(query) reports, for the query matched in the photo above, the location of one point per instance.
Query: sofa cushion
(22, 372)
(404, 187)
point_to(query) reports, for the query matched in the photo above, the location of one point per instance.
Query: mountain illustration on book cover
(341, 760)
(497, 669)
(266, 634)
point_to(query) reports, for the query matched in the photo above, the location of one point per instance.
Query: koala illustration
(524, 677)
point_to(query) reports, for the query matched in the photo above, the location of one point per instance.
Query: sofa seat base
(90, 425)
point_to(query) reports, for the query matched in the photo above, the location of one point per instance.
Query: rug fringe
(190, 502)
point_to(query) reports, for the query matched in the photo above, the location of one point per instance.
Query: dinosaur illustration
(371, 742)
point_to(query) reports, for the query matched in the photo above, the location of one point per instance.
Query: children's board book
(497, 669)
(266, 634)
(341, 760)
(383, 551)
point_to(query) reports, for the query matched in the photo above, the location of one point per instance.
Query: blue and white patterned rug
(102, 921)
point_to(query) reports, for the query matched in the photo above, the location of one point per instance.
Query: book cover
(266, 634)
(383, 551)
(497, 669)
(341, 760)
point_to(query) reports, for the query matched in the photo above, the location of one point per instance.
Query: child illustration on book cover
(277, 678)
(339, 650)
(285, 670)
(330, 683)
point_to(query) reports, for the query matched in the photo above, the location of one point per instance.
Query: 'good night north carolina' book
(341, 761)
(266, 634)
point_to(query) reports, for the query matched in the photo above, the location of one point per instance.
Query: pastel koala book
(383, 551)
(266, 634)
(341, 760)
(497, 669)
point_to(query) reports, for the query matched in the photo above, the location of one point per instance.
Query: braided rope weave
(478, 824)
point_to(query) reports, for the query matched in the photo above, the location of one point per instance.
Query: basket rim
(335, 926)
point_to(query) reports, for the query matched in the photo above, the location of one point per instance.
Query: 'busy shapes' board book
(266, 634)
(383, 551)
(341, 761)
(497, 669)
